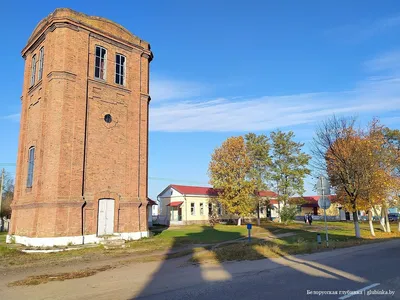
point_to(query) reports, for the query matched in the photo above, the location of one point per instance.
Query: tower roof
(97, 24)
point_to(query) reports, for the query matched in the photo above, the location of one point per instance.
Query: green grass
(341, 234)
(3, 236)
(171, 238)
(203, 234)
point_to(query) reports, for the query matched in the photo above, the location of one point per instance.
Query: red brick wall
(53, 120)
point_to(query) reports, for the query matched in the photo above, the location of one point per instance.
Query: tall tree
(257, 149)
(228, 170)
(336, 147)
(358, 163)
(289, 166)
(392, 137)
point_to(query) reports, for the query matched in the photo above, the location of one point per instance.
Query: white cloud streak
(165, 89)
(373, 96)
(366, 29)
(12, 117)
(389, 61)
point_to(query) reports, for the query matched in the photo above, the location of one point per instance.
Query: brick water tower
(83, 144)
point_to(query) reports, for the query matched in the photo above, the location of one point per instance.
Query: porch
(175, 212)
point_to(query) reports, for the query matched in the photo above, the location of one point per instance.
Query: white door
(106, 217)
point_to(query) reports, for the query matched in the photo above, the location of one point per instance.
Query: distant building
(182, 204)
(82, 155)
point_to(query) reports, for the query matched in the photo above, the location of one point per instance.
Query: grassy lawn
(302, 240)
(269, 240)
(169, 239)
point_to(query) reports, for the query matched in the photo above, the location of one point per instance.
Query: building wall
(171, 195)
(69, 179)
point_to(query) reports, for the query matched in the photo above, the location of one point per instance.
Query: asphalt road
(375, 267)
(332, 275)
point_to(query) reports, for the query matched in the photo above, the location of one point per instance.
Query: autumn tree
(358, 164)
(228, 170)
(289, 166)
(392, 137)
(338, 149)
(257, 150)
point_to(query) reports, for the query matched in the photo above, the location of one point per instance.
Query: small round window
(108, 118)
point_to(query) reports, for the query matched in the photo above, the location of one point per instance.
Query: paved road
(293, 277)
(299, 277)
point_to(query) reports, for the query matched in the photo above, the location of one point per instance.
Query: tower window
(120, 66)
(31, 164)
(100, 63)
(33, 70)
(41, 57)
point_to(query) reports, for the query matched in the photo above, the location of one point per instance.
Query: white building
(181, 204)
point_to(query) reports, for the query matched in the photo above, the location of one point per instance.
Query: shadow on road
(273, 243)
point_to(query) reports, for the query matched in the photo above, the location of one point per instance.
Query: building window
(33, 70)
(210, 210)
(298, 208)
(201, 209)
(120, 67)
(261, 209)
(100, 63)
(41, 57)
(31, 163)
(192, 209)
(219, 209)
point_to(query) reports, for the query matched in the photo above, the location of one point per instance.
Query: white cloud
(389, 61)
(164, 89)
(373, 96)
(365, 29)
(12, 117)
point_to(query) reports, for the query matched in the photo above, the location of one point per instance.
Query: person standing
(309, 219)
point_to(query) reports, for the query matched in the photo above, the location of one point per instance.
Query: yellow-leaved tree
(359, 164)
(228, 170)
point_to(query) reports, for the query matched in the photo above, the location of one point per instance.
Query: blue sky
(224, 68)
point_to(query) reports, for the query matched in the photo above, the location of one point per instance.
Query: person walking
(310, 219)
(305, 218)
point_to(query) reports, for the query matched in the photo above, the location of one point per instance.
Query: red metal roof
(209, 191)
(312, 201)
(175, 204)
(195, 190)
(267, 194)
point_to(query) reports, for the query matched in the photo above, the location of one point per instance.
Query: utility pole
(2, 187)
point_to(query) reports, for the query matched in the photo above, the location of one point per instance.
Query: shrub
(213, 220)
(288, 213)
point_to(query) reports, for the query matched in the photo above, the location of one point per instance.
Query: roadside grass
(176, 240)
(198, 241)
(304, 240)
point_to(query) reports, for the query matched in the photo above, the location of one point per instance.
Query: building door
(105, 217)
(180, 214)
(268, 212)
